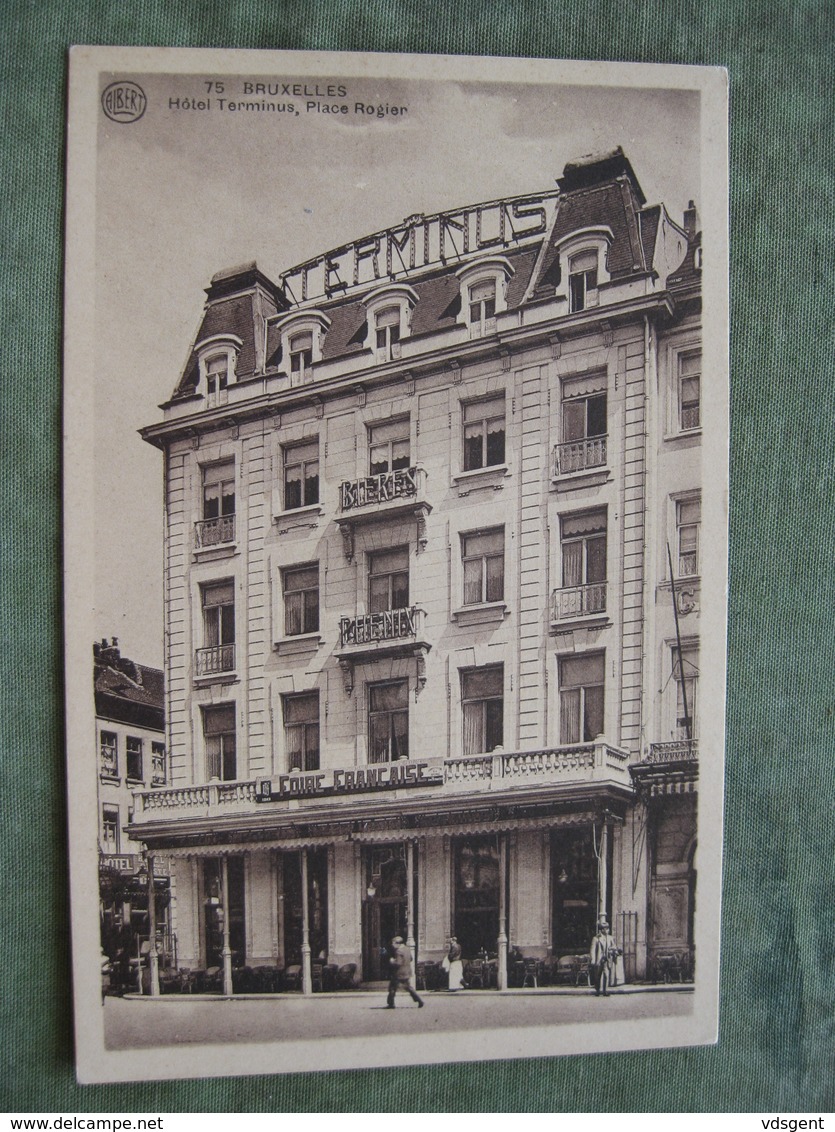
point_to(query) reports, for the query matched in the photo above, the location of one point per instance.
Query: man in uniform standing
(401, 972)
(602, 953)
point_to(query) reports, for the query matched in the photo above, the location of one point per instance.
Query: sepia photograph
(396, 473)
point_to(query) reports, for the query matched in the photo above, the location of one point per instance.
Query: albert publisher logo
(124, 101)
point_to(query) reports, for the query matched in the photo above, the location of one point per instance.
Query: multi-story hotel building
(432, 558)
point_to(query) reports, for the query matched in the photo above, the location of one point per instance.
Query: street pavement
(135, 1023)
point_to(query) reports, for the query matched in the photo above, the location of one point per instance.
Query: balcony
(668, 768)
(579, 455)
(680, 750)
(214, 532)
(537, 776)
(214, 661)
(391, 626)
(578, 601)
(389, 495)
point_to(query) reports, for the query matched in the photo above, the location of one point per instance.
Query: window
(301, 355)
(583, 424)
(218, 523)
(688, 521)
(218, 653)
(482, 307)
(301, 475)
(581, 698)
(482, 700)
(387, 333)
(301, 600)
(483, 556)
(217, 374)
(582, 280)
(108, 754)
(477, 884)
(219, 737)
(110, 829)
(388, 447)
(689, 389)
(133, 759)
(686, 676)
(301, 731)
(583, 564)
(388, 721)
(388, 580)
(484, 432)
(158, 773)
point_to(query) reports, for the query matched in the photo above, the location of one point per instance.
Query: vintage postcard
(396, 496)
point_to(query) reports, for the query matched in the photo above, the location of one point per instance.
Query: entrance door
(574, 873)
(476, 882)
(384, 907)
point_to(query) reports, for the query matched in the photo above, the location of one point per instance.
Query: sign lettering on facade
(357, 780)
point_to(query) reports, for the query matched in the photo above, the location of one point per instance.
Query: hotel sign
(420, 241)
(357, 780)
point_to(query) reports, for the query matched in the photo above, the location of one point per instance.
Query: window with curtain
(109, 757)
(388, 580)
(482, 554)
(583, 563)
(301, 600)
(388, 446)
(686, 677)
(388, 721)
(301, 354)
(110, 829)
(689, 389)
(582, 680)
(484, 433)
(688, 522)
(301, 730)
(219, 739)
(482, 307)
(482, 703)
(301, 475)
(219, 614)
(582, 280)
(387, 333)
(134, 769)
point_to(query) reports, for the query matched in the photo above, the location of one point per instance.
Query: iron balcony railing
(578, 455)
(214, 532)
(390, 625)
(399, 484)
(220, 658)
(679, 750)
(578, 601)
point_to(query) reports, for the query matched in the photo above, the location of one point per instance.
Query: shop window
(109, 754)
(482, 554)
(110, 829)
(317, 905)
(388, 580)
(218, 652)
(301, 731)
(484, 433)
(686, 677)
(582, 280)
(574, 872)
(388, 721)
(387, 333)
(482, 703)
(476, 885)
(388, 446)
(689, 389)
(688, 524)
(216, 917)
(159, 775)
(133, 758)
(301, 475)
(581, 698)
(301, 356)
(217, 525)
(219, 738)
(301, 600)
(583, 424)
(583, 564)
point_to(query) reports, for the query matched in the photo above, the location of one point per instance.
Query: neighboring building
(130, 745)
(422, 659)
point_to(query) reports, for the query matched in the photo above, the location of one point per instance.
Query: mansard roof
(127, 692)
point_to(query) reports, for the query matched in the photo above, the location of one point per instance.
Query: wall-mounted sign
(357, 780)
(123, 862)
(420, 241)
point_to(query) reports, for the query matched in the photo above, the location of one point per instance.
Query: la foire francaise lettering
(360, 780)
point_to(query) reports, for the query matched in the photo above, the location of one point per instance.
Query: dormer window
(301, 357)
(389, 319)
(217, 358)
(387, 334)
(484, 293)
(582, 281)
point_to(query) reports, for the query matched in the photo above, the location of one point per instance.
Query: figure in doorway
(453, 964)
(400, 965)
(602, 954)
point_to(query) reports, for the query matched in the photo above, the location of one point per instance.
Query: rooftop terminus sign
(421, 241)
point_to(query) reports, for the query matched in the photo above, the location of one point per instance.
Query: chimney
(691, 220)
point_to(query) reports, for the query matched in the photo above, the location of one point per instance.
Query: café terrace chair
(531, 975)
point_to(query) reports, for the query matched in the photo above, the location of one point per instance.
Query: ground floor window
(476, 893)
(317, 905)
(216, 914)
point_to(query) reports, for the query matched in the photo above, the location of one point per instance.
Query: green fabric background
(777, 1032)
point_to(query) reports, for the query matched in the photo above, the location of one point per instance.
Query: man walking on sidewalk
(401, 972)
